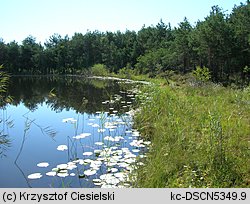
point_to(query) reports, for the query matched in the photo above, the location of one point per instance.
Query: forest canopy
(220, 43)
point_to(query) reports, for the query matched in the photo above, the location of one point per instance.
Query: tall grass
(200, 137)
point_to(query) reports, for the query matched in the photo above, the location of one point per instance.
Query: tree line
(220, 42)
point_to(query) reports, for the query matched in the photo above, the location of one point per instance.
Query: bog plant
(199, 137)
(202, 74)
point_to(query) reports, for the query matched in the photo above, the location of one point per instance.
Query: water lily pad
(87, 153)
(62, 166)
(82, 136)
(51, 173)
(99, 143)
(35, 176)
(62, 147)
(135, 150)
(43, 164)
(63, 175)
(71, 120)
(90, 172)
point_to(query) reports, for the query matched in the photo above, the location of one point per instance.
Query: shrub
(202, 74)
(99, 70)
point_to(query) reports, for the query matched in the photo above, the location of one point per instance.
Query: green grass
(200, 136)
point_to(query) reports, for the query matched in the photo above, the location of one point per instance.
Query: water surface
(91, 119)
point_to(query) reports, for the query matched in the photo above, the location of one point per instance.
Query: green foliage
(99, 70)
(198, 138)
(4, 80)
(126, 72)
(220, 42)
(202, 74)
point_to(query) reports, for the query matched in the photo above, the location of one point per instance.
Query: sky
(43, 18)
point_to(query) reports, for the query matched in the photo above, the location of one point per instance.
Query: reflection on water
(69, 132)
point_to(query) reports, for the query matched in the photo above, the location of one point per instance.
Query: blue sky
(43, 18)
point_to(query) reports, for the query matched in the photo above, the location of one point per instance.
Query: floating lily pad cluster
(111, 160)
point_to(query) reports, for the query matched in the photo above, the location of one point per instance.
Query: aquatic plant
(110, 153)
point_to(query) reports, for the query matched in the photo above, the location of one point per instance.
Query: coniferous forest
(220, 42)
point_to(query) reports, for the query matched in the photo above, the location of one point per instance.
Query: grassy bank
(200, 136)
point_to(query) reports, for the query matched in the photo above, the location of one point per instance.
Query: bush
(99, 70)
(202, 74)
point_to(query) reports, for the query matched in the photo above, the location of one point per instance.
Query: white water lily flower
(72, 174)
(99, 143)
(62, 166)
(51, 173)
(98, 112)
(87, 153)
(43, 164)
(35, 176)
(89, 172)
(62, 147)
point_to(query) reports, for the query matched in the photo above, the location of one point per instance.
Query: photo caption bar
(153, 195)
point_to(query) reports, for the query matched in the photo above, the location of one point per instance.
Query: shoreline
(85, 76)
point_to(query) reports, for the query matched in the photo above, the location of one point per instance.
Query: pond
(69, 132)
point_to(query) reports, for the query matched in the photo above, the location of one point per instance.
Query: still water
(69, 132)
